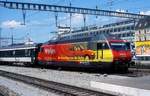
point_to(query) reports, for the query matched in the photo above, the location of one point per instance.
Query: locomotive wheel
(121, 69)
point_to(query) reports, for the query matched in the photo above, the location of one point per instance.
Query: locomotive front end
(121, 54)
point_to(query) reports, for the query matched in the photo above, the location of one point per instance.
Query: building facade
(142, 37)
(124, 29)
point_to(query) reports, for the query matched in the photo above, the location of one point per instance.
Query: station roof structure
(69, 9)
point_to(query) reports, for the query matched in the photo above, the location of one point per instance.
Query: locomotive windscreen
(120, 46)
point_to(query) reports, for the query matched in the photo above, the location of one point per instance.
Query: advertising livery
(101, 52)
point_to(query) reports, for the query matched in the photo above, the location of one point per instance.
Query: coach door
(104, 52)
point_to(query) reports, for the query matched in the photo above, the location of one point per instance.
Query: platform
(133, 87)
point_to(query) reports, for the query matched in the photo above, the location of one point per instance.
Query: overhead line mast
(68, 9)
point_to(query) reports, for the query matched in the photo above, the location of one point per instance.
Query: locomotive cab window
(99, 45)
(102, 46)
(41, 49)
(105, 46)
(120, 46)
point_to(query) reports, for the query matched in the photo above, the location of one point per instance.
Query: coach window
(32, 52)
(29, 52)
(26, 52)
(4, 54)
(14, 53)
(1, 53)
(11, 53)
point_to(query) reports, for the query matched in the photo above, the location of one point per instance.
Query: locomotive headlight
(122, 55)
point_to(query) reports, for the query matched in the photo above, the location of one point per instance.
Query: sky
(41, 27)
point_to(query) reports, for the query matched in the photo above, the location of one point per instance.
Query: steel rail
(139, 70)
(55, 87)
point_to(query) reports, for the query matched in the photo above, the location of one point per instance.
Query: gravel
(23, 89)
(80, 79)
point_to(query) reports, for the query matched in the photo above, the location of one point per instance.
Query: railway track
(1, 95)
(139, 70)
(136, 72)
(55, 87)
